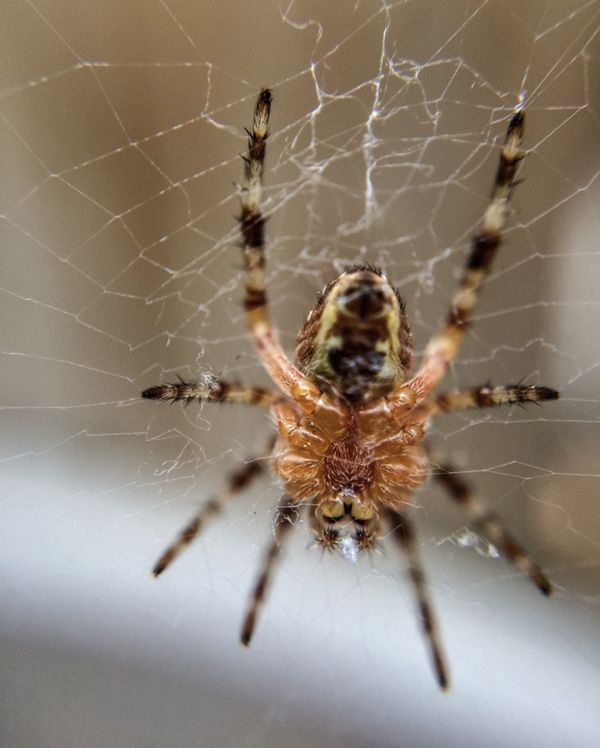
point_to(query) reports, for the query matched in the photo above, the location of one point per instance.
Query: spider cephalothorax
(348, 463)
(350, 423)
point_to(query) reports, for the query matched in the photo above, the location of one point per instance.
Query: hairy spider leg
(487, 396)
(252, 223)
(212, 390)
(404, 534)
(286, 515)
(486, 522)
(443, 348)
(239, 479)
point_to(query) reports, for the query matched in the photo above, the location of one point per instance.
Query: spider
(351, 423)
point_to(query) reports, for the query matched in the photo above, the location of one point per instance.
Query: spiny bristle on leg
(488, 396)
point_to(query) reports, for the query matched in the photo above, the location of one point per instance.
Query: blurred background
(122, 125)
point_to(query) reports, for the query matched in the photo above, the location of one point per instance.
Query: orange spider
(351, 423)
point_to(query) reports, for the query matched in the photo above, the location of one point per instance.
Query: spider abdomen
(356, 342)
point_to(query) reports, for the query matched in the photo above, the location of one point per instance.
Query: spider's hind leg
(252, 227)
(444, 347)
(486, 522)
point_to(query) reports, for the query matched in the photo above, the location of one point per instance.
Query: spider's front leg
(443, 348)
(286, 515)
(252, 223)
(403, 533)
(486, 522)
(239, 480)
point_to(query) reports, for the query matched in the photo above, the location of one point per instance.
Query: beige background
(121, 129)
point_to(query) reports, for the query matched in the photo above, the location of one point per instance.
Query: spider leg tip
(441, 672)
(548, 393)
(517, 121)
(158, 570)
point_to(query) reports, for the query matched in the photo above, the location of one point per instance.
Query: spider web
(121, 128)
